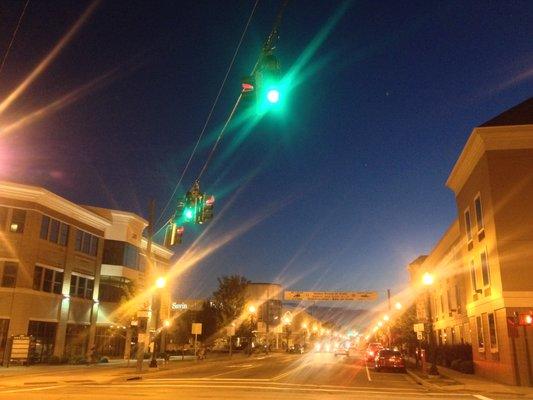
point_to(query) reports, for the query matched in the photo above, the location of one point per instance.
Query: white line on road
(481, 397)
(368, 373)
(232, 371)
(34, 389)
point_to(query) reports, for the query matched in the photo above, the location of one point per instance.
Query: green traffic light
(188, 214)
(273, 96)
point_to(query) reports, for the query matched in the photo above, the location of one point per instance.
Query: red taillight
(210, 201)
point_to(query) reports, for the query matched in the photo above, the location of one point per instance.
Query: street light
(386, 318)
(160, 283)
(251, 310)
(398, 305)
(380, 324)
(427, 280)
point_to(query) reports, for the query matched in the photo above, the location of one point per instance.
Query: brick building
(482, 263)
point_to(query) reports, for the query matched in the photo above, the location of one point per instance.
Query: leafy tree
(402, 332)
(230, 299)
(209, 317)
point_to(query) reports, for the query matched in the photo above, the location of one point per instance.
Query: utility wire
(13, 36)
(208, 116)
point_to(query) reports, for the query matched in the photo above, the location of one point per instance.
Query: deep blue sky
(351, 175)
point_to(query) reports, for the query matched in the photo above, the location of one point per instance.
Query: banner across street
(330, 296)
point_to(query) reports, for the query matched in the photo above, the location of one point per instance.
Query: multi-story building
(50, 256)
(124, 275)
(482, 263)
(67, 272)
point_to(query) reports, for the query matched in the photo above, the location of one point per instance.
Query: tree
(402, 330)
(209, 317)
(230, 299)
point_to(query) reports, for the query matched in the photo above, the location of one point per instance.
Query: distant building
(483, 262)
(63, 267)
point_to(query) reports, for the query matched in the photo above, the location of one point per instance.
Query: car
(372, 351)
(342, 348)
(389, 359)
(296, 349)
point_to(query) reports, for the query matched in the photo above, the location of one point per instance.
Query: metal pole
(433, 369)
(388, 322)
(528, 358)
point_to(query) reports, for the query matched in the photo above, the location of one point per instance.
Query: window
(94, 246)
(492, 332)
(63, 235)
(45, 223)
(9, 275)
(468, 226)
(3, 218)
(54, 231)
(18, 219)
(457, 299)
(473, 275)
(449, 301)
(480, 339)
(79, 240)
(479, 214)
(120, 253)
(37, 277)
(86, 243)
(47, 280)
(485, 272)
(81, 286)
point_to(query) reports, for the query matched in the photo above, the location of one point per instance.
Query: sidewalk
(451, 380)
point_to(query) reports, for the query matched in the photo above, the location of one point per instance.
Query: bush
(466, 367)
(456, 364)
(54, 360)
(103, 360)
(77, 360)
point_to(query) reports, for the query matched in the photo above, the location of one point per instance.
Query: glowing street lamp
(252, 309)
(166, 323)
(161, 282)
(398, 305)
(386, 318)
(380, 324)
(427, 279)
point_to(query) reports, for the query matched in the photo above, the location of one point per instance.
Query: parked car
(372, 351)
(389, 359)
(296, 349)
(342, 348)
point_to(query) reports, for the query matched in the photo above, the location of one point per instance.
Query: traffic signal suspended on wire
(196, 207)
(173, 234)
(265, 85)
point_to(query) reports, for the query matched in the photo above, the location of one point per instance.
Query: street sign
(196, 328)
(419, 327)
(330, 296)
(20, 348)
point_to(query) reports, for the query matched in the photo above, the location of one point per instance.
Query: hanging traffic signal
(173, 234)
(207, 209)
(268, 83)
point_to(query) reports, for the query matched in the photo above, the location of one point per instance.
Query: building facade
(67, 272)
(482, 263)
(50, 258)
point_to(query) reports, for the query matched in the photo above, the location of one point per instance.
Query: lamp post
(427, 280)
(287, 320)
(252, 311)
(156, 305)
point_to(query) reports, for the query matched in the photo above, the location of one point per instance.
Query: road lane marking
(232, 371)
(368, 373)
(481, 397)
(283, 375)
(34, 389)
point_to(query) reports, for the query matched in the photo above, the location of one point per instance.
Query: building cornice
(52, 201)
(159, 250)
(485, 139)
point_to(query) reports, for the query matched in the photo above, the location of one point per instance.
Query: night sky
(347, 183)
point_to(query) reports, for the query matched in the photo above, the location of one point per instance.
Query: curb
(423, 382)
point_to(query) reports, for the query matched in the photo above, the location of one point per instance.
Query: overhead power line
(6, 54)
(209, 115)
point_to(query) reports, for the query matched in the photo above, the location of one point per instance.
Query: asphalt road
(309, 376)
